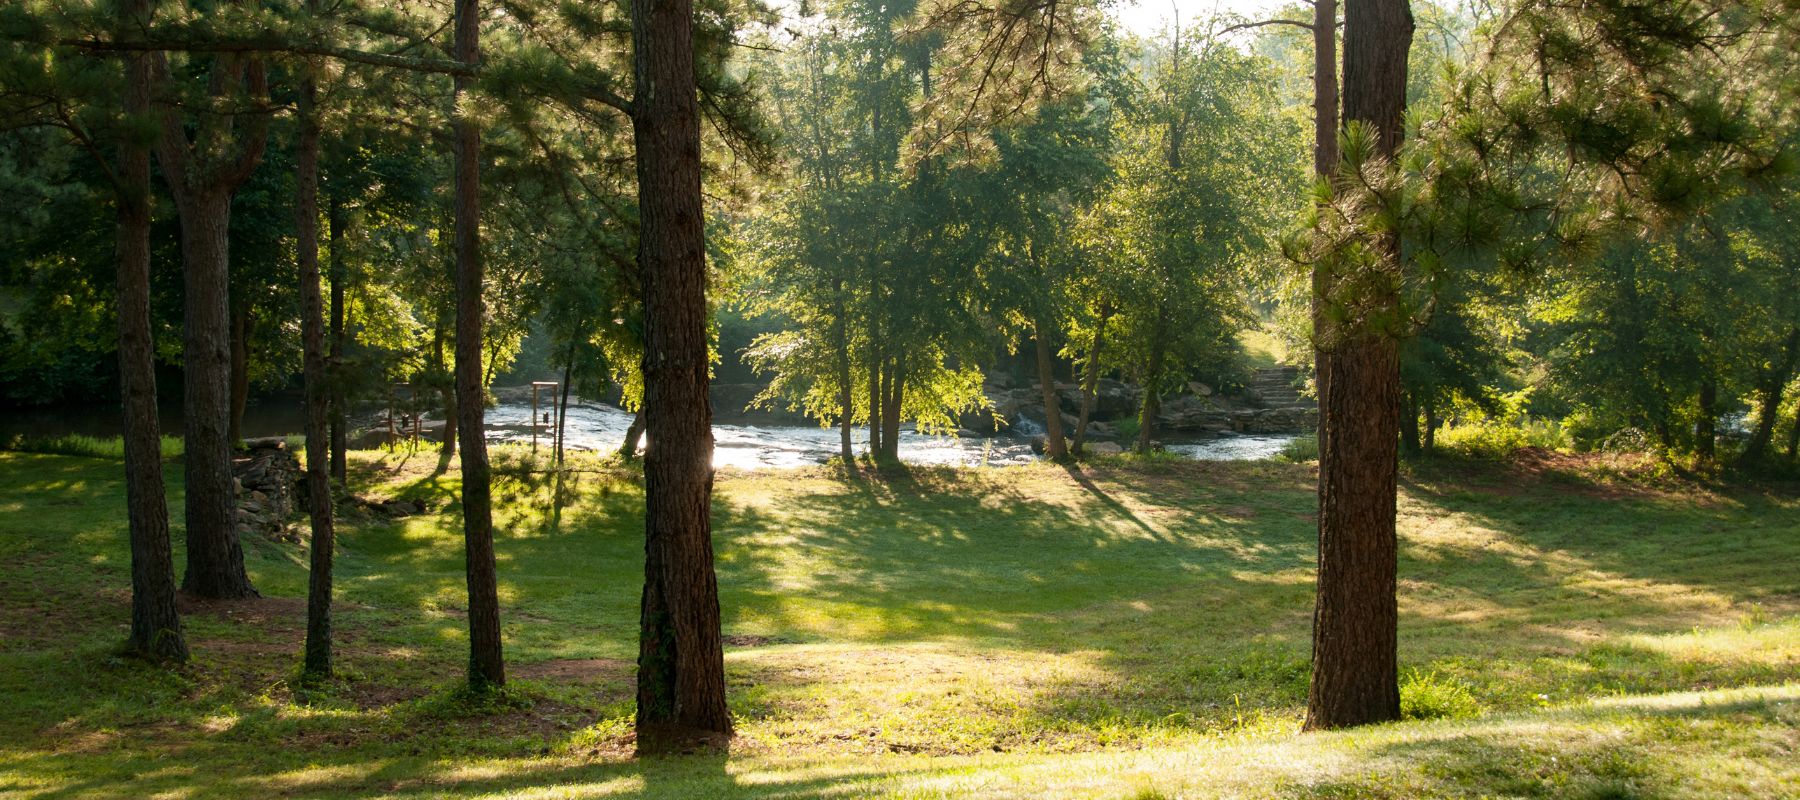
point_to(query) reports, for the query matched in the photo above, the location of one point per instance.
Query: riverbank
(1121, 629)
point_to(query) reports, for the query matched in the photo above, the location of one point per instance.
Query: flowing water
(593, 426)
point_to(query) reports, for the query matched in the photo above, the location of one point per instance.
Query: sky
(1146, 17)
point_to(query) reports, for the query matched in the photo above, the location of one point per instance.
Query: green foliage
(1427, 695)
(74, 444)
(1301, 450)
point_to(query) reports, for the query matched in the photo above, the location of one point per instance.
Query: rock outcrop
(269, 488)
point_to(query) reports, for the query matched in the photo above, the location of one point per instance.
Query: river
(593, 426)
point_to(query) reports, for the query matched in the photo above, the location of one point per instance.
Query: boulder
(1104, 448)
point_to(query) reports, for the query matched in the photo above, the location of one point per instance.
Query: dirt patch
(576, 670)
(259, 611)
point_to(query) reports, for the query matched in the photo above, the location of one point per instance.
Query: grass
(1263, 346)
(1126, 629)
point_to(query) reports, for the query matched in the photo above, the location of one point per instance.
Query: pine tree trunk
(1355, 674)
(155, 623)
(1054, 446)
(1091, 380)
(681, 662)
(487, 665)
(340, 436)
(215, 557)
(203, 175)
(1325, 88)
(316, 662)
(240, 369)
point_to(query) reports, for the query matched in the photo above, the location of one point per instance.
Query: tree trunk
(1409, 425)
(1054, 446)
(1325, 88)
(681, 661)
(1706, 429)
(316, 663)
(1774, 383)
(1793, 444)
(1151, 405)
(1432, 423)
(1355, 672)
(1091, 380)
(562, 404)
(628, 449)
(891, 404)
(339, 435)
(215, 557)
(203, 175)
(155, 624)
(846, 393)
(876, 398)
(446, 395)
(487, 665)
(240, 369)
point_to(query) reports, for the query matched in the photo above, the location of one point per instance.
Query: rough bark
(203, 174)
(316, 662)
(334, 216)
(487, 665)
(215, 557)
(1091, 380)
(1355, 673)
(1054, 444)
(1325, 87)
(155, 623)
(681, 662)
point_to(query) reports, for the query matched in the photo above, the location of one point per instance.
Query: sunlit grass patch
(1105, 630)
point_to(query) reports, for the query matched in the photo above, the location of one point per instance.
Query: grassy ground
(1119, 631)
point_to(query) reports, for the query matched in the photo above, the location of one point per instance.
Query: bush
(1429, 696)
(1495, 439)
(1301, 450)
(75, 444)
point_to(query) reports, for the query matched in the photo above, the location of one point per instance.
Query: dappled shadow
(921, 610)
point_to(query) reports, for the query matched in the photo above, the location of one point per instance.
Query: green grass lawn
(1127, 630)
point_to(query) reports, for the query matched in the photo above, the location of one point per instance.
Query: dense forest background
(1121, 202)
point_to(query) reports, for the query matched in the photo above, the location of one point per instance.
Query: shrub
(1428, 696)
(1301, 450)
(1497, 439)
(75, 444)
